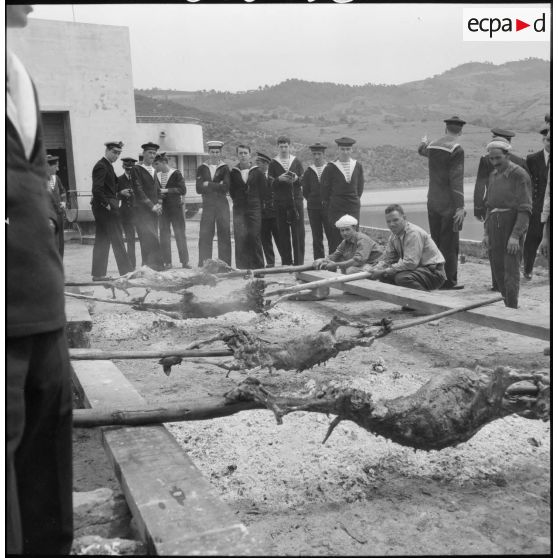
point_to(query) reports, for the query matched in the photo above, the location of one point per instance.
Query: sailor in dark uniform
(446, 203)
(481, 184)
(172, 190)
(104, 203)
(342, 184)
(270, 231)
(126, 195)
(317, 215)
(247, 191)
(58, 196)
(148, 200)
(286, 170)
(213, 179)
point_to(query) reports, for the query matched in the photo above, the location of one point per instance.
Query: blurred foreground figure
(39, 514)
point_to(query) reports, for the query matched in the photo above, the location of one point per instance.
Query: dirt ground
(358, 494)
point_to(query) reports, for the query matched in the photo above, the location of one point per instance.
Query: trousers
(499, 226)
(39, 514)
(146, 225)
(319, 224)
(173, 215)
(290, 228)
(270, 233)
(216, 214)
(532, 240)
(422, 278)
(108, 232)
(447, 240)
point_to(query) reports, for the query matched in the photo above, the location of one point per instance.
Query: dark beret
(52, 159)
(345, 142)
(317, 147)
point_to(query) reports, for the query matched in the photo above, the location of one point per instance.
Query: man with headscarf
(508, 209)
(355, 250)
(481, 184)
(446, 202)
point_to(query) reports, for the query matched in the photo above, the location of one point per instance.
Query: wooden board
(78, 323)
(176, 509)
(522, 322)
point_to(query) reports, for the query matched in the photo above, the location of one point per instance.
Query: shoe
(167, 266)
(407, 309)
(528, 276)
(102, 278)
(451, 287)
(186, 266)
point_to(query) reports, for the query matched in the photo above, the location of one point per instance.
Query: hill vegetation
(386, 120)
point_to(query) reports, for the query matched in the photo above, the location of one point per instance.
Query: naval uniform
(38, 428)
(58, 195)
(216, 213)
(537, 165)
(445, 195)
(127, 218)
(270, 231)
(317, 215)
(509, 206)
(146, 194)
(247, 192)
(289, 209)
(341, 187)
(173, 214)
(108, 230)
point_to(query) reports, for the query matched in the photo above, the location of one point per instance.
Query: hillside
(387, 121)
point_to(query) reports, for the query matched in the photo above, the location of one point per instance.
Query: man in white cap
(213, 180)
(411, 258)
(355, 250)
(509, 207)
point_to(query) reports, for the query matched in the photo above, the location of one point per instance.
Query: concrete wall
(84, 69)
(186, 138)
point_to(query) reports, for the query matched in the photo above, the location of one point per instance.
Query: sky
(237, 47)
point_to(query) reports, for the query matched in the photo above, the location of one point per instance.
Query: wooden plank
(78, 323)
(531, 323)
(176, 509)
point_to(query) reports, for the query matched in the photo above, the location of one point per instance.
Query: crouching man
(355, 251)
(411, 258)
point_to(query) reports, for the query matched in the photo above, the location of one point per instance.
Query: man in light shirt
(411, 258)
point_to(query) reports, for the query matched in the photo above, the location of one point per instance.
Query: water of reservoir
(413, 201)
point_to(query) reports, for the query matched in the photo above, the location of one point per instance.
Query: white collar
(315, 168)
(171, 170)
(339, 165)
(290, 159)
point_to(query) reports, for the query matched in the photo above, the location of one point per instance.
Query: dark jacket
(311, 188)
(247, 195)
(176, 188)
(34, 273)
(147, 190)
(57, 194)
(339, 196)
(446, 160)
(126, 202)
(481, 184)
(218, 187)
(268, 205)
(538, 172)
(285, 192)
(104, 185)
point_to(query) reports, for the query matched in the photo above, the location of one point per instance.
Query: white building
(83, 73)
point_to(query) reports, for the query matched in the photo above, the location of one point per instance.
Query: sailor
(58, 196)
(342, 184)
(149, 205)
(213, 180)
(172, 189)
(354, 252)
(446, 203)
(317, 215)
(270, 231)
(247, 191)
(104, 203)
(285, 170)
(127, 215)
